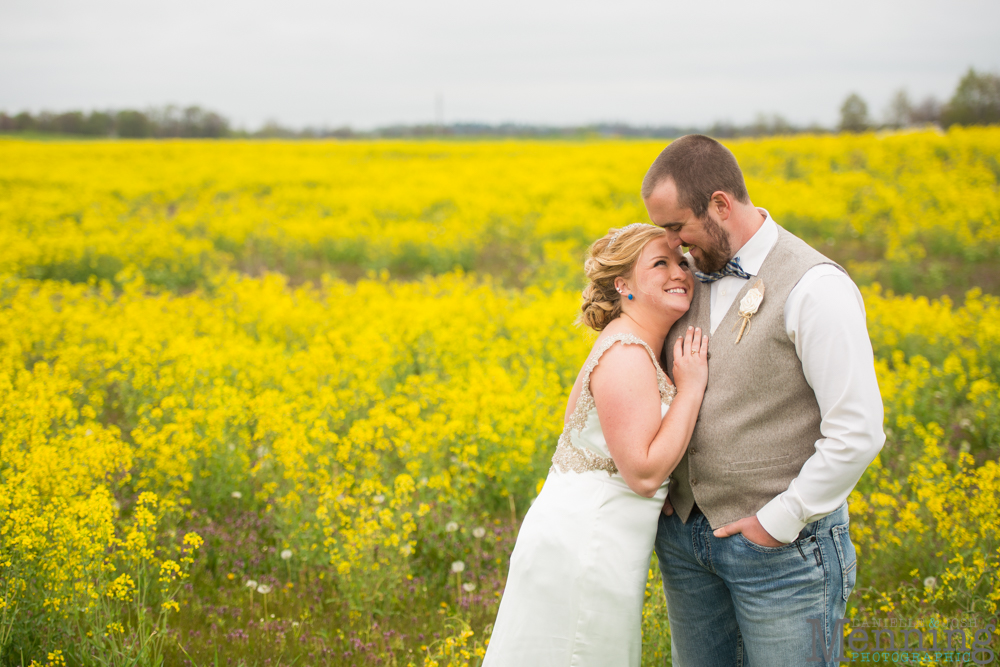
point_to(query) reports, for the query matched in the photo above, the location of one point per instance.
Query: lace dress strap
(667, 390)
(567, 456)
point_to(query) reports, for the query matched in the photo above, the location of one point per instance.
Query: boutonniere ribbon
(748, 307)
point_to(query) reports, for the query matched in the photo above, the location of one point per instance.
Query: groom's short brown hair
(699, 166)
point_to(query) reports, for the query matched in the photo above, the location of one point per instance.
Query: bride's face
(663, 278)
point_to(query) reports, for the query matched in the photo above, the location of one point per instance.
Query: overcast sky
(376, 62)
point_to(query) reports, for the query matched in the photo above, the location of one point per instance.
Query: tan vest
(759, 421)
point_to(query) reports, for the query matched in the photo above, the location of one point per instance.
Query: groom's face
(705, 238)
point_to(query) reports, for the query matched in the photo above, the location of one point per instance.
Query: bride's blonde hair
(613, 255)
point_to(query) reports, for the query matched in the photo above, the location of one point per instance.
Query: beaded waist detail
(569, 458)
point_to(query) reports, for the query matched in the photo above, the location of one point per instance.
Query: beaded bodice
(579, 457)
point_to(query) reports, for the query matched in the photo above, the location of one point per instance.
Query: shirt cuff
(779, 522)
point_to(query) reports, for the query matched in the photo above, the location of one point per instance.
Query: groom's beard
(716, 257)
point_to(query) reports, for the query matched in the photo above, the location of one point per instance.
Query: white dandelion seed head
(930, 582)
(479, 532)
(406, 550)
(451, 526)
(458, 566)
(379, 499)
(286, 554)
(236, 494)
(468, 587)
(263, 589)
(251, 584)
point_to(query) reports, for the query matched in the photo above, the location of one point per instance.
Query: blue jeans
(733, 603)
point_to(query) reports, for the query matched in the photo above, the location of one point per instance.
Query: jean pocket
(848, 557)
(761, 548)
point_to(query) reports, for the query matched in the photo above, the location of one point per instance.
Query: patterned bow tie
(732, 268)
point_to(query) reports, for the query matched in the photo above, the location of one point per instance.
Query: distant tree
(190, 122)
(133, 124)
(927, 112)
(24, 122)
(899, 111)
(71, 122)
(343, 132)
(99, 124)
(976, 101)
(207, 124)
(723, 129)
(854, 114)
(45, 121)
(272, 129)
(6, 122)
(764, 125)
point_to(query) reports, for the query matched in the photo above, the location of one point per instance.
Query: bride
(578, 572)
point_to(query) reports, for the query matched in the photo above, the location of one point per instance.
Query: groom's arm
(825, 318)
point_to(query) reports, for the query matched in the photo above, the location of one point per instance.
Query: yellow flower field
(914, 210)
(259, 400)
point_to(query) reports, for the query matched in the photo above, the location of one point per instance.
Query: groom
(754, 542)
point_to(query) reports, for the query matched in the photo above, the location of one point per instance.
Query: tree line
(165, 122)
(976, 101)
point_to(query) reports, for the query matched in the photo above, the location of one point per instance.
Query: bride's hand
(691, 361)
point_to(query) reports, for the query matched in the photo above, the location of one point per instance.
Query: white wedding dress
(578, 572)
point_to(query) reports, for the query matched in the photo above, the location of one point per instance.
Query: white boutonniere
(749, 305)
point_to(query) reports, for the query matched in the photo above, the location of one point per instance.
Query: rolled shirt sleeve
(825, 319)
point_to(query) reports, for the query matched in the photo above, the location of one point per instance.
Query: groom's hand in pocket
(668, 509)
(752, 530)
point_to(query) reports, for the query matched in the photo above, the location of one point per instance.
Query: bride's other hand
(691, 361)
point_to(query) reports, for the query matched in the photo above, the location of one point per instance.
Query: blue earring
(629, 297)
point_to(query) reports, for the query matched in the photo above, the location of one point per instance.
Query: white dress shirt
(825, 319)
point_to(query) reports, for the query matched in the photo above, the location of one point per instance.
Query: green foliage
(854, 114)
(976, 101)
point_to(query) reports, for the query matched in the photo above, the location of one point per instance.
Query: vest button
(694, 482)
(692, 452)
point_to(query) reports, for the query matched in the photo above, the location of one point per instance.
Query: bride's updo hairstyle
(609, 257)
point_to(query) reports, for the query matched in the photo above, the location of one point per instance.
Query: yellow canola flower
(174, 213)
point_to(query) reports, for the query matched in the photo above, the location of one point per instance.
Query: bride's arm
(645, 448)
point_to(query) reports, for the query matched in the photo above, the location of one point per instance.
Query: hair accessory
(629, 297)
(625, 229)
